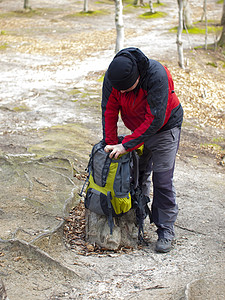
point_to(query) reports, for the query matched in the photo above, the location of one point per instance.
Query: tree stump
(125, 231)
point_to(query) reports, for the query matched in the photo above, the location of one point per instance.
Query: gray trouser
(159, 157)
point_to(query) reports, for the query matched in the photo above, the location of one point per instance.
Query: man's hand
(116, 150)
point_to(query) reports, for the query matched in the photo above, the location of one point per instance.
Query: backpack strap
(82, 190)
(142, 212)
(110, 216)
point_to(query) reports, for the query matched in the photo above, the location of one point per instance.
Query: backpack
(112, 188)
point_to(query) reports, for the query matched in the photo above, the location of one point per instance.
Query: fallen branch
(190, 230)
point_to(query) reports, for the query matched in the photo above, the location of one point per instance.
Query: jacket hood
(138, 56)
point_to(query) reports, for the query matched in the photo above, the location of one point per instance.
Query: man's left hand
(116, 150)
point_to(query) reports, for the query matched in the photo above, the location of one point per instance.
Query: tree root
(36, 253)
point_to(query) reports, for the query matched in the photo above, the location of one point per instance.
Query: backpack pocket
(97, 202)
(100, 167)
(121, 184)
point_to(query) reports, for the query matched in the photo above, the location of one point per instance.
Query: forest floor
(52, 63)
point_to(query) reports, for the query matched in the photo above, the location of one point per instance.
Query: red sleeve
(110, 113)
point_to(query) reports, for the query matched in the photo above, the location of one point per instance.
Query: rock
(125, 231)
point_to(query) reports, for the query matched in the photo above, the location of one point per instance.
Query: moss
(219, 2)
(101, 78)
(68, 140)
(3, 46)
(149, 15)
(213, 64)
(155, 5)
(3, 32)
(105, 2)
(21, 108)
(218, 140)
(74, 92)
(88, 13)
(199, 29)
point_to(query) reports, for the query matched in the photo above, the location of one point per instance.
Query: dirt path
(51, 71)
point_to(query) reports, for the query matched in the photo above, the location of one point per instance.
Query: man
(141, 90)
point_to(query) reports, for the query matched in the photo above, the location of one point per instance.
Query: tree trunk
(151, 7)
(206, 24)
(139, 2)
(158, 1)
(25, 4)
(187, 19)
(223, 15)
(221, 42)
(204, 10)
(119, 25)
(85, 6)
(179, 35)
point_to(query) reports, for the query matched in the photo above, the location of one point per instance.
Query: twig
(30, 182)
(38, 181)
(20, 229)
(156, 287)
(190, 230)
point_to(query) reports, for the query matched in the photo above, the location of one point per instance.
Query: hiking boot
(163, 245)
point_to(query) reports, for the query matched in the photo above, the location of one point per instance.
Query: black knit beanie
(123, 73)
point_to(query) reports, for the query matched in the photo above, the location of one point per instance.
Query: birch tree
(179, 35)
(223, 15)
(222, 37)
(139, 2)
(85, 6)
(25, 4)
(206, 23)
(187, 18)
(204, 10)
(151, 7)
(119, 25)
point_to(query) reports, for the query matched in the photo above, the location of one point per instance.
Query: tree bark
(25, 4)
(139, 2)
(206, 23)
(151, 7)
(187, 18)
(221, 42)
(179, 35)
(85, 6)
(223, 15)
(119, 25)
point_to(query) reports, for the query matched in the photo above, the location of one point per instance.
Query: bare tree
(179, 35)
(204, 10)
(139, 2)
(223, 14)
(119, 25)
(206, 22)
(85, 6)
(151, 7)
(25, 4)
(222, 37)
(187, 18)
